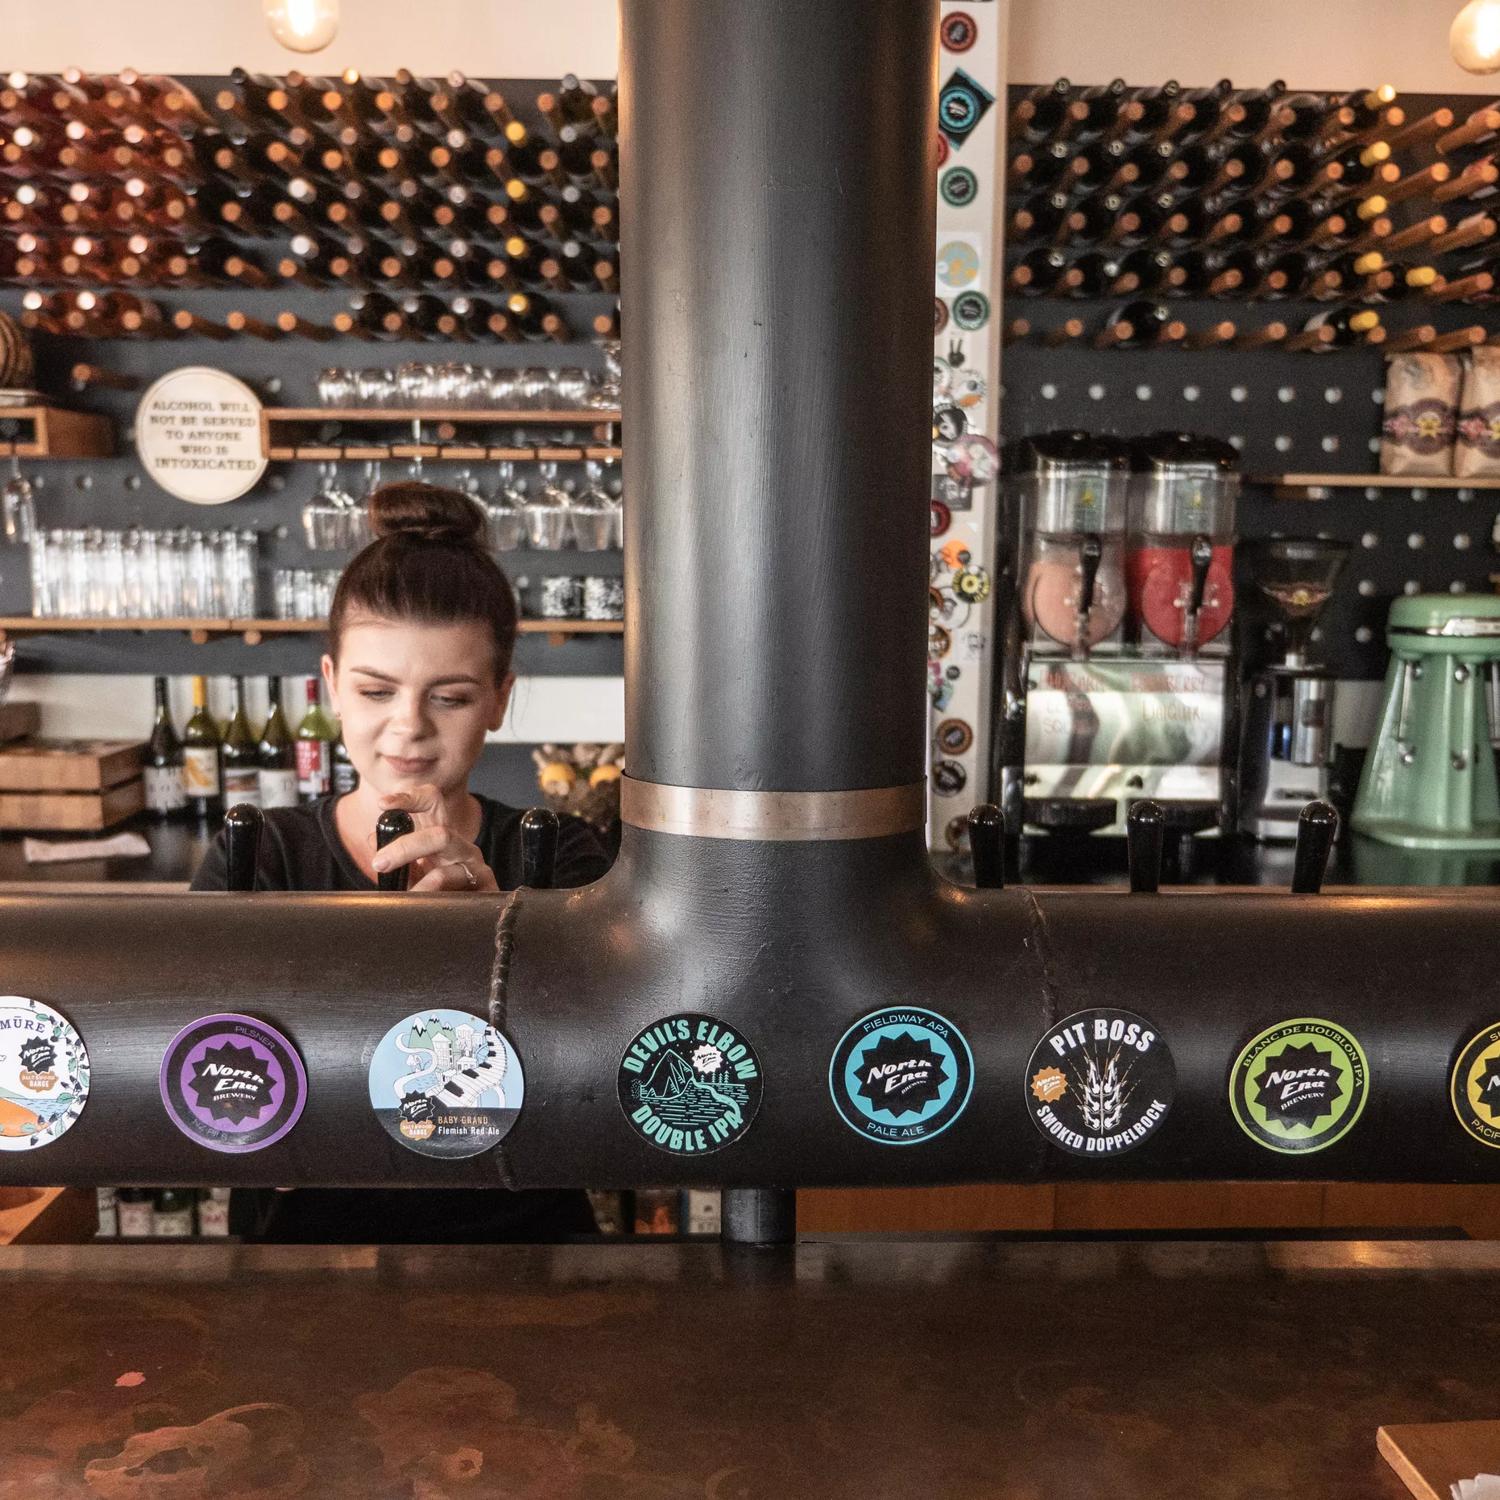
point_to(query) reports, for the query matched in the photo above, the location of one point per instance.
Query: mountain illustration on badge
(901, 1076)
(1100, 1082)
(446, 1083)
(1475, 1086)
(689, 1084)
(44, 1074)
(1299, 1086)
(232, 1083)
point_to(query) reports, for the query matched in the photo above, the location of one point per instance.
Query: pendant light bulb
(1474, 39)
(302, 25)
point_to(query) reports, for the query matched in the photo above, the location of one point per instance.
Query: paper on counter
(1480, 1487)
(53, 851)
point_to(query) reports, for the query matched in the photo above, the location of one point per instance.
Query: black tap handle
(241, 845)
(1317, 827)
(1090, 554)
(1145, 825)
(538, 847)
(987, 845)
(1202, 555)
(393, 824)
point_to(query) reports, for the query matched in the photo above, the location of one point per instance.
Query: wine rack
(53, 432)
(1305, 420)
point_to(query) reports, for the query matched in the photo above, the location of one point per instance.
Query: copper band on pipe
(772, 817)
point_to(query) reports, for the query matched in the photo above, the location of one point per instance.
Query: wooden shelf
(252, 632)
(1321, 486)
(55, 432)
(286, 436)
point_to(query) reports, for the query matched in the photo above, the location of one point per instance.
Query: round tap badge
(232, 1083)
(1101, 1082)
(689, 1084)
(901, 1076)
(446, 1083)
(44, 1074)
(1476, 1086)
(1299, 1086)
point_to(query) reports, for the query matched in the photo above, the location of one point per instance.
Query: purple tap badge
(232, 1083)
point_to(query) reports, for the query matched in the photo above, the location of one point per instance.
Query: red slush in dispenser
(1073, 490)
(1180, 562)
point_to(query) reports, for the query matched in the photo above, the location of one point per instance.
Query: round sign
(232, 1083)
(689, 1085)
(197, 431)
(44, 1074)
(959, 186)
(446, 1083)
(959, 31)
(1300, 1085)
(1475, 1086)
(1100, 1082)
(901, 1076)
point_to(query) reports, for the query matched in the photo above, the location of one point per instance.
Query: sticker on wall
(959, 31)
(689, 1085)
(446, 1083)
(942, 150)
(953, 736)
(901, 1076)
(948, 778)
(44, 1074)
(971, 310)
(232, 1083)
(962, 104)
(1475, 1086)
(1299, 1086)
(939, 316)
(959, 187)
(949, 423)
(958, 262)
(1100, 1082)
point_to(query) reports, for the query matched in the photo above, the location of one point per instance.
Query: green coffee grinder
(1429, 780)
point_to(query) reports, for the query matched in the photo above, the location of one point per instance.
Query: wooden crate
(17, 720)
(38, 765)
(71, 812)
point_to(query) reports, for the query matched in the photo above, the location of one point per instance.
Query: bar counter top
(844, 1368)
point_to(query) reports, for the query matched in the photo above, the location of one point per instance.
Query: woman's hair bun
(426, 513)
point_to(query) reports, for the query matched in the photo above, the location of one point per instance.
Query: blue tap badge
(901, 1076)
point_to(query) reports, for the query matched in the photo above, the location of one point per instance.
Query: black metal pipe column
(778, 163)
(777, 159)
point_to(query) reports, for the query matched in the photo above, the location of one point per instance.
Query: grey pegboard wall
(1286, 412)
(115, 492)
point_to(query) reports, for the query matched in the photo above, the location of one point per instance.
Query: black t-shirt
(300, 850)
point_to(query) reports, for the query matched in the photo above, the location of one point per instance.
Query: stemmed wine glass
(18, 506)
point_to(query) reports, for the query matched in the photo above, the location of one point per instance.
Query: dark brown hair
(428, 563)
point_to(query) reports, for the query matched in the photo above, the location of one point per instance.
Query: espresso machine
(1286, 744)
(1115, 667)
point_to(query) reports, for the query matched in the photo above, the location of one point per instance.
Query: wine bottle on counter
(200, 758)
(277, 754)
(240, 755)
(166, 791)
(315, 737)
(345, 776)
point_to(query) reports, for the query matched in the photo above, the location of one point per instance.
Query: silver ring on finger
(470, 876)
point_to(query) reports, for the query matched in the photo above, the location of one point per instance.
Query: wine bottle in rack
(1040, 111)
(1140, 325)
(1339, 328)
(1146, 272)
(1041, 273)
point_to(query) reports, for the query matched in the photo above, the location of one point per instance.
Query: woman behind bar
(421, 633)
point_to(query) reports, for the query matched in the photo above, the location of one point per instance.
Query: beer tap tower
(773, 875)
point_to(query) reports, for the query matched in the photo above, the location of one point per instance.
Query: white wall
(487, 38)
(1310, 43)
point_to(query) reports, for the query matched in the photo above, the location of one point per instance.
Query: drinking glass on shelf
(46, 556)
(547, 512)
(18, 505)
(500, 391)
(571, 388)
(281, 594)
(337, 387)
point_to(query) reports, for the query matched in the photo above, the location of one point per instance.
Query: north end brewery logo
(689, 1084)
(901, 1076)
(1100, 1082)
(37, 1057)
(231, 1083)
(1299, 1086)
(1475, 1086)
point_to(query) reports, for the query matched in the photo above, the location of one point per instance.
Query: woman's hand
(440, 859)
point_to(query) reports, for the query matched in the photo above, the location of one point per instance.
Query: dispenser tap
(987, 845)
(1201, 556)
(1090, 553)
(393, 825)
(1317, 827)
(242, 824)
(1145, 827)
(538, 847)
